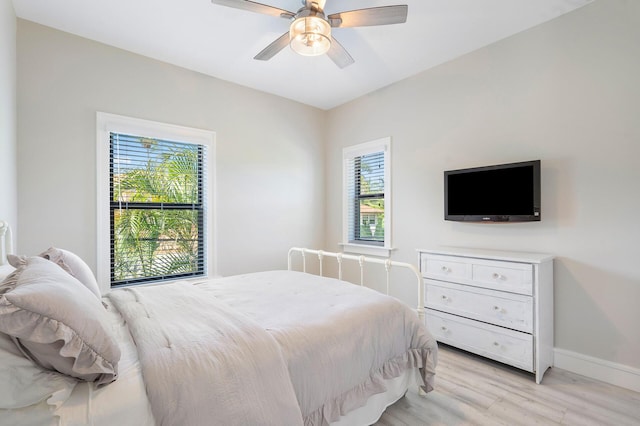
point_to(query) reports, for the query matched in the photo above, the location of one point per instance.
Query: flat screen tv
(499, 193)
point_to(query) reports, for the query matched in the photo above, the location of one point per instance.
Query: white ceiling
(221, 41)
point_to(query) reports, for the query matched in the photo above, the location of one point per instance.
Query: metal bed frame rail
(362, 260)
(6, 239)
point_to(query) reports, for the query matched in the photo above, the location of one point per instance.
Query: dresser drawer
(504, 276)
(507, 346)
(445, 268)
(505, 309)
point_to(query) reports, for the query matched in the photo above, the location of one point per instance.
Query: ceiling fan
(310, 30)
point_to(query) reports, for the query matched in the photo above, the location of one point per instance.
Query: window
(366, 215)
(155, 201)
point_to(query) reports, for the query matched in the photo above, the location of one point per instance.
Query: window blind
(157, 209)
(366, 198)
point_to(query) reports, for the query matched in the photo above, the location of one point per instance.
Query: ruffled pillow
(57, 322)
(73, 264)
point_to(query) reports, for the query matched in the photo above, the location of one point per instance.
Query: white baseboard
(599, 369)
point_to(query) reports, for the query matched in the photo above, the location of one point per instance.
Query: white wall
(566, 92)
(269, 150)
(8, 173)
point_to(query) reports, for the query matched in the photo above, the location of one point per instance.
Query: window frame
(110, 123)
(349, 242)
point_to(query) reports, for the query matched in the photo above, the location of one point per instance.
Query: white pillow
(22, 383)
(57, 322)
(5, 270)
(73, 264)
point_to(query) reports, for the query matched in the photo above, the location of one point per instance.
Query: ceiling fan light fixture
(310, 36)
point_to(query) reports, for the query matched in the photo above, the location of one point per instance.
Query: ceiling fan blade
(255, 7)
(275, 47)
(339, 54)
(383, 15)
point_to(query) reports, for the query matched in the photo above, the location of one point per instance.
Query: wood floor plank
(472, 390)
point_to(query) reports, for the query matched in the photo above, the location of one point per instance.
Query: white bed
(344, 385)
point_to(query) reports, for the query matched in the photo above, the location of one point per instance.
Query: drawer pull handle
(497, 276)
(496, 344)
(496, 308)
(443, 328)
(445, 269)
(444, 297)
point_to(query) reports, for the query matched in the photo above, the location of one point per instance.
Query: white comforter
(204, 363)
(339, 340)
(274, 347)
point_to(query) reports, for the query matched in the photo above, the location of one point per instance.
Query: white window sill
(190, 280)
(366, 250)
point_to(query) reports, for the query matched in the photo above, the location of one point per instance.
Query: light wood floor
(471, 390)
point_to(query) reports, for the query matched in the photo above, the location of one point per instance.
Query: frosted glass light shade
(310, 36)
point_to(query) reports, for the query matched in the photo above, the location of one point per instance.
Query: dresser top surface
(512, 256)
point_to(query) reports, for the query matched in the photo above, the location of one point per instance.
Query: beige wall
(566, 92)
(269, 150)
(8, 173)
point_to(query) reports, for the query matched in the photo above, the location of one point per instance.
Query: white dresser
(494, 303)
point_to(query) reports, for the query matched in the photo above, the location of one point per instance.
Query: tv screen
(500, 193)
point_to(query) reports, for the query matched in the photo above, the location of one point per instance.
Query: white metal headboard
(6, 241)
(388, 264)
